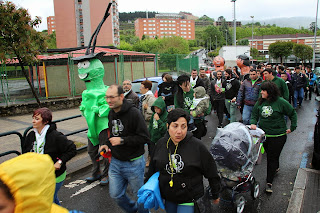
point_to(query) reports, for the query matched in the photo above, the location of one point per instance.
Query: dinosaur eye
(83, 64)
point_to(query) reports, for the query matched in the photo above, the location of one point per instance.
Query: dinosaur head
(90, 69)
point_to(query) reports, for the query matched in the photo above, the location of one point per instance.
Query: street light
(234, 22)
(252, 32)
(226, 38)
(315, 38)
(216, 42)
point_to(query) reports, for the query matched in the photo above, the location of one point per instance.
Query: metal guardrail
(23, 137)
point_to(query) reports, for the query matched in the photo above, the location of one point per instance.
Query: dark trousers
(308, 91)
(219, 106)
(93, 152)
(273, 146)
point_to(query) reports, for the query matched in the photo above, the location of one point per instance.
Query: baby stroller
(236, 149)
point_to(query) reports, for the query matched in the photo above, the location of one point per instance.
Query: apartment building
(262, 42)
(76, 20)
(165, 27)
(51, 24)
(229, 23)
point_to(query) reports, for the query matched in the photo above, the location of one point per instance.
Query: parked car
(155, 82)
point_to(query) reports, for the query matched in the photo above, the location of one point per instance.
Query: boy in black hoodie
(231, 86)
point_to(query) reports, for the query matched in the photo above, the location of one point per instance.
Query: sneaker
(93, 178)
(277, 170)
(104, 181)
(269, 188)
(220, 126)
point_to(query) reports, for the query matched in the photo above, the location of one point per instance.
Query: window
(144, 28)
(144, 20)
(173, 32)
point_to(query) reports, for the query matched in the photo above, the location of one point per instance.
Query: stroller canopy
(236, 148)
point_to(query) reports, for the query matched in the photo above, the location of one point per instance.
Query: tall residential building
(76, 20)
(51, 24)
(161, 27)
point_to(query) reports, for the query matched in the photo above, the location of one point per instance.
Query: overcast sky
(260, 9)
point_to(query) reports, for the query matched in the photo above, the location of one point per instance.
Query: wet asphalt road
(297, 152)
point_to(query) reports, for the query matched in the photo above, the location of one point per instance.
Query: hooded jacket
(193, 161)
(133, 97)
(31, 180)
(231, 88)
(216, 93)
(248, 92)
(157, 128)
(168, 90)
(128, 124)
(203, 102)
(148, 99)
(56, 145)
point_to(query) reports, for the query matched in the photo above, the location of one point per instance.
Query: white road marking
(86, 188)
(75, 183)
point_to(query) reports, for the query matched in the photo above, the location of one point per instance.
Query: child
(199, 106)
(284, 76)
(158, 122)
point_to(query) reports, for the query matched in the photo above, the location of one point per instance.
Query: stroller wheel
(255, 190)
(239, 203)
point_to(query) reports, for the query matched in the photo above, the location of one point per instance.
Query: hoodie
(31, 180)
(201, 102)
(128, 124)
(192, 162)
(157, 128)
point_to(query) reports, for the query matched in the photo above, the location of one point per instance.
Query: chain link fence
(57, 77)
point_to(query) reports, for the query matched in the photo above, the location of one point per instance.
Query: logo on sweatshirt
(177, 166)
(117, 127)
(266, 111)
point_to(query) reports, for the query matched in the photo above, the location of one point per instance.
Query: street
(77, 194)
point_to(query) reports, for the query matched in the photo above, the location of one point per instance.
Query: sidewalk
(306, 192)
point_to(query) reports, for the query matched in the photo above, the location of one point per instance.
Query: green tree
(244, 42)
(18, 38)
(205, 18)
(254, 52)
(281, 49)
(313, 26)
(303, 52)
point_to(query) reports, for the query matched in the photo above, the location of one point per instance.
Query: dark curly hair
(272, 90)
(175, 114)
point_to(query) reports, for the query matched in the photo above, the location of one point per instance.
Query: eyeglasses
(126, 84)
(111, 97)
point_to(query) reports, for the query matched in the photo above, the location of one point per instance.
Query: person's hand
(115, 141)
(57, 166)
(253, 127)
(156, 116)
(288, 131)
(200, 115)
(103, 147)
(216, 201)
(163, 97)
(239, 107)
(233, 99)
(307, 88)
(145, 106)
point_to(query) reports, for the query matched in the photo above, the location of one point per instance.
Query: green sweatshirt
(188, 100)
(284, 91)
(271, 117)
(157, 128)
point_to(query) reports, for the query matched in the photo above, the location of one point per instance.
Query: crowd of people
(173, 124)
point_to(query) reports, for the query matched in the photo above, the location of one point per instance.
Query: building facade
(262, 42)
(165, 27)
(76, 20)
(229, 23)
(51, 24)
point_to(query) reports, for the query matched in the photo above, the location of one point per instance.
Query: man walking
(205, 80)
(231, 86)
(218, 96)
(282, 86)
(248, 95)
(311, 77)
(195, 81)
(299, 81)
(126, 136)
(129, 94)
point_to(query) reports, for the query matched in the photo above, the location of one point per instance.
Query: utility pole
(210, 43)
(234, 23)
(315, 39)
(216, 42)
(226, 38)
(252, 37)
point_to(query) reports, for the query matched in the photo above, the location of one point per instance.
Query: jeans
(273, 147)
(246, 114)
(308, 91)
(55, 197)
(176, 208)
(298, 95)
(122, 173)
(231, 107)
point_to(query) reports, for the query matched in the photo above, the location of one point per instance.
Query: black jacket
(193, 162)
(298, 81)
(231, 88)
(132, 96)
(168, 90)
(57, 146)
(128, 124)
